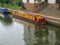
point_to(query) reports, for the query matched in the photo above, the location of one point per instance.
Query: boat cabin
(4, 10)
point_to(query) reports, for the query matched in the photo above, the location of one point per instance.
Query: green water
(24, 33)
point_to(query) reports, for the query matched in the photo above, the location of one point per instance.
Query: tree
(2, 2)
(19, 3)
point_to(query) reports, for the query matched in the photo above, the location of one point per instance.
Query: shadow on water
(6, 20)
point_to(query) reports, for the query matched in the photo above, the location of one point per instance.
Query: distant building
(54, 3)
(32, 4)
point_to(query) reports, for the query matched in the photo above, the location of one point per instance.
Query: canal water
(19, 32)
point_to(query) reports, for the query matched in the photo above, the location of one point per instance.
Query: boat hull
(28, 20)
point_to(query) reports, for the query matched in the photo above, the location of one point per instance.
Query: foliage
(14, 4)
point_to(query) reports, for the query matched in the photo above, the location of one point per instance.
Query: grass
(9, 6)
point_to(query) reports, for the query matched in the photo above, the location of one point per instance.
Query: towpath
(51, 13)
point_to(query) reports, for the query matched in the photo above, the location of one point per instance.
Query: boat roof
(29, 13)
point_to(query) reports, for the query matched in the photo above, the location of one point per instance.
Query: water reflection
(11, 35)
(41, 35)
(24, 33)
(36, 35)
(6, 21)
(53, 35)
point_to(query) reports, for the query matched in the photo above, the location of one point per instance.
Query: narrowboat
(4, 11)
(29, 17)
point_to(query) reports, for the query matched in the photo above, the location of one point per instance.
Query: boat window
(31, 17)
(20, 14)
(23, 15)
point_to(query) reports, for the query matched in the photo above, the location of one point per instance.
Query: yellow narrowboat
(30, 17)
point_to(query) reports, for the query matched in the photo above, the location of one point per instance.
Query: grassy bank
(12, 6)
